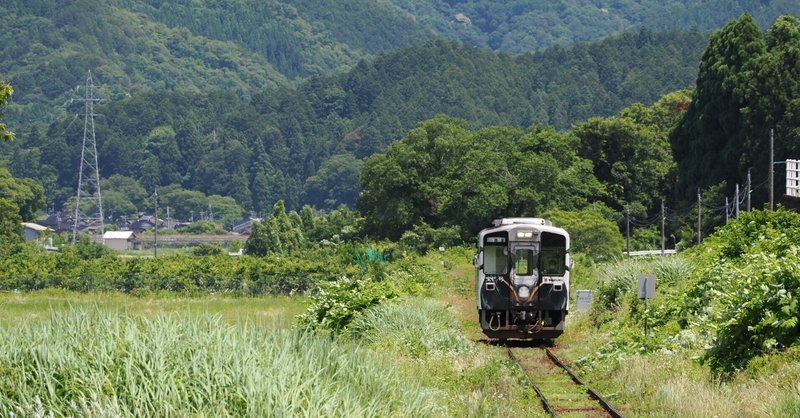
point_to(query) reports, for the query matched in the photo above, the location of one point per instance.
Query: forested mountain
(517, 26)
(748, 84)
(303, 144)
(245, 45)
(48, 47)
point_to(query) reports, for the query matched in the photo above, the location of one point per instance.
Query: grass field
(275, 311)
(111, 354)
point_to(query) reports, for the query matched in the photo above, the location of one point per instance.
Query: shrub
(336, 303)
(207, 249)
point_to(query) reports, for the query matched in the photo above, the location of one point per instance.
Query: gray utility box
(584, 300)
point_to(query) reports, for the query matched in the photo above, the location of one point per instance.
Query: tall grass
(670, 386)
(417, 327)
(96, 362)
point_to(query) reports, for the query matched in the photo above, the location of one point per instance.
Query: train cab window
(553, 261)
(495, 259)
(526, 262)
(553, 256)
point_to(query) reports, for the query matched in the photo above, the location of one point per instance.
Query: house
(121, 240)
(245, 226)
(58, 223)
(141, 225)
(34, 232)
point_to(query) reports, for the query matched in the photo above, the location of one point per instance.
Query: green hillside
(517, 26)
(303, 144)
(245, 45)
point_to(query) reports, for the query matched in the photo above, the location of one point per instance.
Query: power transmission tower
(88, 174)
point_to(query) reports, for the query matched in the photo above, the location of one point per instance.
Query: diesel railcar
(522, 279)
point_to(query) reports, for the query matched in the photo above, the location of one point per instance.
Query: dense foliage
(520, 26)
(733, 299)
(748, 84)
(21, 199)
(85, 268)
(243, 45)
(444, 174)
(590, 233)
(5, 92)
(304, 145)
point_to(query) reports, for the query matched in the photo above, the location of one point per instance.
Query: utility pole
(771, 169)
(628, 230)
(699, 219)
(88, 174)
(663, 219)
(736, 202)
(155, 224)
(168, 222)
(727, 211)
(749, 189)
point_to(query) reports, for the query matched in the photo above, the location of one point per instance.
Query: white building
(120, 240)
(34, 232)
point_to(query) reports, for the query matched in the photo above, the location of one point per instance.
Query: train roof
(521, 221)
(510, 224)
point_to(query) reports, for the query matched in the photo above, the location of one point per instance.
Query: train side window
(495, 259)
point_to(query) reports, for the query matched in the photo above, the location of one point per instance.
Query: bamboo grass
(100, 362)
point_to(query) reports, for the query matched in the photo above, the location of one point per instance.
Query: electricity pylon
(88, 174)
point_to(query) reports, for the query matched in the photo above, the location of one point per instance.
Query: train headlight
(523, 292)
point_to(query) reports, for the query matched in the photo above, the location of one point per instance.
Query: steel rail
(545, 404)
(592, 393)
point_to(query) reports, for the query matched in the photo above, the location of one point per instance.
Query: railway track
(560, 390)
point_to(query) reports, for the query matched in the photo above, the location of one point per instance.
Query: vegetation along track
(561, 391)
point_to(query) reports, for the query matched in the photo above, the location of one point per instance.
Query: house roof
(118, 235)
(35, 227)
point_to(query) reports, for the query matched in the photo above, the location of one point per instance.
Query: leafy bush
(207, 249)
(422, 238)
(757, 307)
(28, 268)
(736, 299)
(746, 291)
(337, 303)
(203, 228)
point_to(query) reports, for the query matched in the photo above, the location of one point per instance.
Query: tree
(10, 222)
(631, 152)
(444, 175)
(257, 244)
(5, 92)
(710, 142)
(289, 235)
(335, 183)
(27, 195)
(590, 233)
